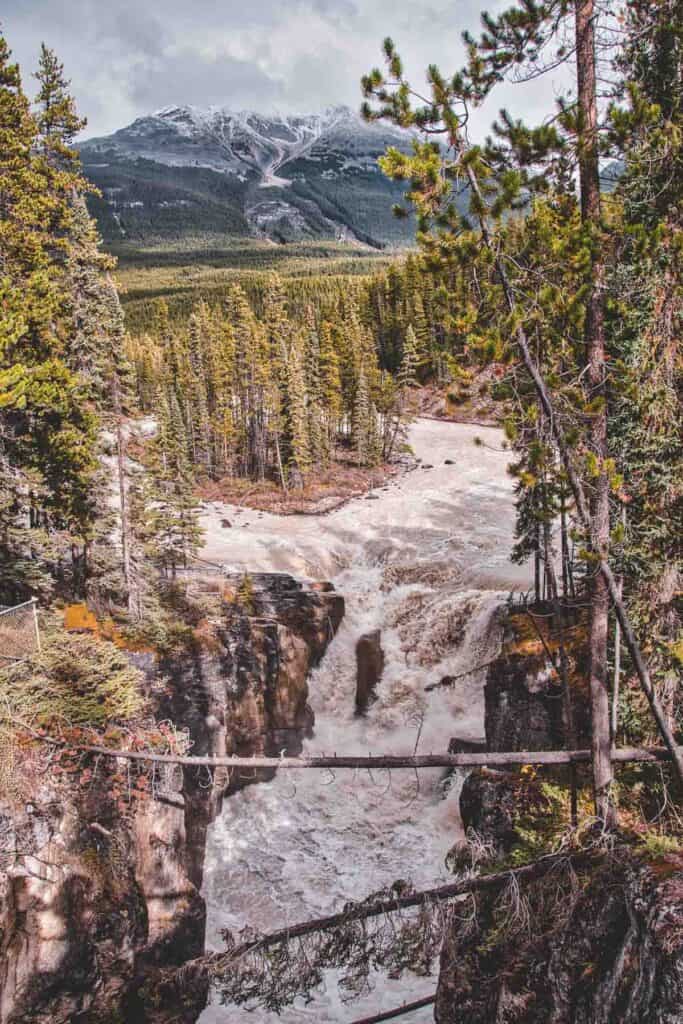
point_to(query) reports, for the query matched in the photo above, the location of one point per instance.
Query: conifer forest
(341, 505)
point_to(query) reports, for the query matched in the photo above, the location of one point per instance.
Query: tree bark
(591, 216)
(617, 656)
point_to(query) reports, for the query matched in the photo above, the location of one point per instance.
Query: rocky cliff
(99, 882)
(595, 946)
(599, 939)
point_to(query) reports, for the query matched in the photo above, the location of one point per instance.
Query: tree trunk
(280, 467)
(398, 1011)
(567, 581)
(537, 558)
(595, 360)
(493, 758)
(123, 497)
(214, 963)
(579, 496)
(617, 656)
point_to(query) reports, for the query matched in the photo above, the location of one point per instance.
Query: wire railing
(19, 632)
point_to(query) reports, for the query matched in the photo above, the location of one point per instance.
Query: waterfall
(427, 566)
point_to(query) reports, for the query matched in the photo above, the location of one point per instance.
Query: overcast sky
(131, 57)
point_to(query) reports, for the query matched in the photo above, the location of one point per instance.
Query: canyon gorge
(416, 575)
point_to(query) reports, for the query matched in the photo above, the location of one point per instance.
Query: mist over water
(426, 564)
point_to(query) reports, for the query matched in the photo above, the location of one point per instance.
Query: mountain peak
(273, 168)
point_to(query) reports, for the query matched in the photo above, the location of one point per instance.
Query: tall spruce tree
(48, 434)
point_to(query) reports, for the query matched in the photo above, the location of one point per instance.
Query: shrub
(77, 679)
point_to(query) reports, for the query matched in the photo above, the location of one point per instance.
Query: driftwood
(398, 1011)
(469, 760)
(450, 680)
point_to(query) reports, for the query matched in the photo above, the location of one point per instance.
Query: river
(426, 562)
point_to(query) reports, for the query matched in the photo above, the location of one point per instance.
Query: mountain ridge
(187, 170)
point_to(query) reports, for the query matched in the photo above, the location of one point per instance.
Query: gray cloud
(128, 57)
(198, 80)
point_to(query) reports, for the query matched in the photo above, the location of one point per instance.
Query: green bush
(77, 679)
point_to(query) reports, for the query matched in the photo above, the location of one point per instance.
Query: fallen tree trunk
(214, 963)
(398, 1011)
(491, 759)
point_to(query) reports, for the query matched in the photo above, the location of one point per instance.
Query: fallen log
(490, 759)
(398, 1011)
(214, 963)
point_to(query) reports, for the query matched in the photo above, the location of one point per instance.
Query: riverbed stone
(369, 668)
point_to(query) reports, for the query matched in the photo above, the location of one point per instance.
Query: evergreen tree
(57, 119)
(48, 432)
(504, 176)
(299, 462)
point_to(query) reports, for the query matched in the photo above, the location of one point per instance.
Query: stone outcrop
(524, 710)
(595, 945)
(523, 705)
(95, 898)
(608, 948)
(99, 895)
(369, 668)
(488, 801)
(524, 694)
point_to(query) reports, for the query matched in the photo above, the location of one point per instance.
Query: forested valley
(185, 463)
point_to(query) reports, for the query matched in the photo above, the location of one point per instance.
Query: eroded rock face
(611, 951)
(524, 694)
(369, 668)
(96, 900)
(101, 897)
(488, 801)
(523, 705)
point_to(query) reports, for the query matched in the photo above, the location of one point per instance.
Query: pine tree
(48, 432)
(299, 462)
(57, 120)
(330, 383)
(198, 392)
(171, 520)
(317, 433)
(364, 434)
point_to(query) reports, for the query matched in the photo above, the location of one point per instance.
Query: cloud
(194, 78)
(126, 58)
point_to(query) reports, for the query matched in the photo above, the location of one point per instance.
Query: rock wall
(94, 896)
(602, 944)
(608, 951)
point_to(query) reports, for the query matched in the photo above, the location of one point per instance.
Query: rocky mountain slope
(184, 172)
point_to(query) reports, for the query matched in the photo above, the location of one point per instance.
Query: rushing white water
(427, 564)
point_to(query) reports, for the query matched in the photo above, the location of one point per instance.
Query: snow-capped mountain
(188, 170)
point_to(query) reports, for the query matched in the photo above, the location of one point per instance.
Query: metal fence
(19, 632)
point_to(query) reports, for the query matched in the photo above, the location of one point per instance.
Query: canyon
(420, 578)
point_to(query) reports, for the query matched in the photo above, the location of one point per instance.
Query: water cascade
(425, 564)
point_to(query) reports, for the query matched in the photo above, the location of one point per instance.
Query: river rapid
(425, 561)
